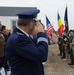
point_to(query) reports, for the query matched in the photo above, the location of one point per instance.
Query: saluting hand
(38, 28)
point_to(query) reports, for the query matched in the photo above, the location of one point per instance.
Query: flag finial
(58, 10)
(45, 15)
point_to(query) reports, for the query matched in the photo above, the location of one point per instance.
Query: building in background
(8, 17)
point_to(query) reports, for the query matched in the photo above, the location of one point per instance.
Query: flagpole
(53, 24)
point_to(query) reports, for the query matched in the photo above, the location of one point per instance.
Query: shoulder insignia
(65, 39)
(19, 33)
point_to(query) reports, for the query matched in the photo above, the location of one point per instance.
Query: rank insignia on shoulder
(65, 39)
(19, 33)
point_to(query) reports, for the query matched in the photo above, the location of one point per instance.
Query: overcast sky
(47, 7)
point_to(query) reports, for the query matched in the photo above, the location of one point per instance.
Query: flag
(60, 25)
(66, 21)
(49, 28)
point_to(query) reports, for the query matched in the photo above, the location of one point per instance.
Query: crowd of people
(66, 46)
(4, 35)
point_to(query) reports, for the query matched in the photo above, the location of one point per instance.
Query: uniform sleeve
(1, 40)
(27, 49)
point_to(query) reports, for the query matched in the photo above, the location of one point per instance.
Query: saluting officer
(24, 56)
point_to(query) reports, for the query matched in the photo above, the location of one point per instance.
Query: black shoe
(70, 63)
(63, 57)
(59, 54)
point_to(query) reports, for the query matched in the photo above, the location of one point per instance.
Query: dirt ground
(55, 65)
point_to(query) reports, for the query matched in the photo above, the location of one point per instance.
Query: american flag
(49, 29)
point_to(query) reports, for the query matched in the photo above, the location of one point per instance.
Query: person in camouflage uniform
(71, 41)
(60, 44)
(65, 46)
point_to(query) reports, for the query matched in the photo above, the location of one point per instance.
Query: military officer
(24, 56)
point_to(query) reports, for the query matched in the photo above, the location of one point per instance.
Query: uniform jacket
(71, 38)
(24, 56)
(2, 42)
(65, 40)
(71, 41)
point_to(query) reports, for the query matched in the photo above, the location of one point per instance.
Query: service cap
(29, 14)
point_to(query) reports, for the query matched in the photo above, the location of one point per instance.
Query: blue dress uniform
(24, 56)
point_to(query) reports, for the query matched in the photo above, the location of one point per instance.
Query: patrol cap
(29, 14)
